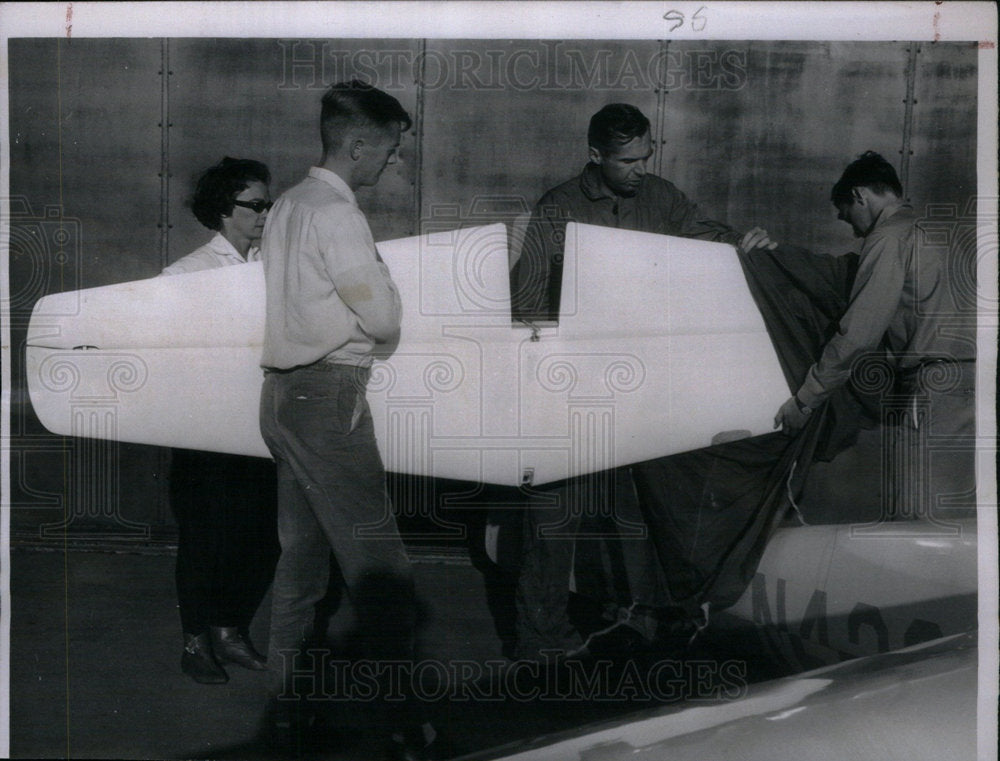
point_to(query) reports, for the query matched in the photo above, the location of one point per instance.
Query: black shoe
(414, 746)
(617, 641)
(289, 728)
(198, 662)
(230, 646)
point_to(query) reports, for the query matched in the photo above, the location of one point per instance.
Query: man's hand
(756, 238)
(790, 417)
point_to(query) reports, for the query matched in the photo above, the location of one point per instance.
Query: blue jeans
(331, 482)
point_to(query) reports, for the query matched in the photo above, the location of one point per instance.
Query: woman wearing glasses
(224, 504)
(231, 198)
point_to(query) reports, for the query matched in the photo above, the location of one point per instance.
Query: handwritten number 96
(676, 18)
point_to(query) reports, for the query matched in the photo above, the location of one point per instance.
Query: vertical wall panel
(509, 118)
(85, 145)
(757, 132)
(261, 99)
(84, 116)
(942, 183)
(942, 166)
(768, 151)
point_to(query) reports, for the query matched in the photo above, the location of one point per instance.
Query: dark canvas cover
(711, 511)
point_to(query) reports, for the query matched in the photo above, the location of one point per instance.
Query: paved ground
(95, 651)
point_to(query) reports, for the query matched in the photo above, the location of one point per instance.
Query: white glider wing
(659, 348)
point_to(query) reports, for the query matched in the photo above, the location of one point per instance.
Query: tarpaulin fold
(711, 511)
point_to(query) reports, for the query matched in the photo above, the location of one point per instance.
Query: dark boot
(198, 662)
(290, 728)
(419, 744)
(230, 646)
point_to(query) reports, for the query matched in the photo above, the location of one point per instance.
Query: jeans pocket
(324, 404)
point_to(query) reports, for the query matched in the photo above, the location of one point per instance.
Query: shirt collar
(333, 180)
(221, 244)
(889, 212)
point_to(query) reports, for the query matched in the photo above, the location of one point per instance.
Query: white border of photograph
(828, 21)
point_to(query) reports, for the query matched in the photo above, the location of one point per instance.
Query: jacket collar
(591, 184)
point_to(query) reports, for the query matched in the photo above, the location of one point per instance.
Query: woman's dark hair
(614, 125)
(219, 185)
(869, 170)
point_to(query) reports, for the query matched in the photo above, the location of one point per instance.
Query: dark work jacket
(657, 207)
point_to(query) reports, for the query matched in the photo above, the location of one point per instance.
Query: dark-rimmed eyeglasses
(258, 207)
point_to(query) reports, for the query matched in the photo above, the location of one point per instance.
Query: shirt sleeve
(877, 291)
(361, 279)
(687, 220)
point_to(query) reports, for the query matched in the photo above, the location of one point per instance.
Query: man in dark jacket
(614, 190)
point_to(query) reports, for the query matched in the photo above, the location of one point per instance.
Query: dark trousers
(227, 544)
(932, 448)
(558, 522)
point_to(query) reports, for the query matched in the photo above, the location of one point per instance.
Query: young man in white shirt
(330, 300)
